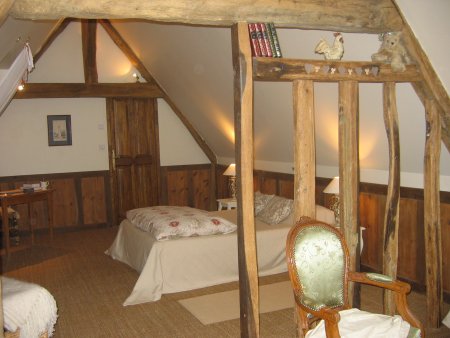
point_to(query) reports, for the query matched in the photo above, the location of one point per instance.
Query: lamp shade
(231, 170)
(333, 186)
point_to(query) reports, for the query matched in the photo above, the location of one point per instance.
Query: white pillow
(166, 222)
(261, 201)
(276, 210)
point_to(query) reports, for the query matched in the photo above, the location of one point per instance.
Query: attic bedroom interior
(156, 101)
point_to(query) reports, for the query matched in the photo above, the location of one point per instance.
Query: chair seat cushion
(355, 323)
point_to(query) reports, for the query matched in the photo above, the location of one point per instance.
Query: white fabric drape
(18, 72)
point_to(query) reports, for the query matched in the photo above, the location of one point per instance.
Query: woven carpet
(222, 306)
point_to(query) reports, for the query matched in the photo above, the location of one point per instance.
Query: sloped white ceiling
(194, 65)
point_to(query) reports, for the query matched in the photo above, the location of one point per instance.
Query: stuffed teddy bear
(392, 52)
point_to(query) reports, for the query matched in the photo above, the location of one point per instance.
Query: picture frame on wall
(59, 130)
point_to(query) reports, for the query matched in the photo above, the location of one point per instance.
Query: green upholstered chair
(317, 258)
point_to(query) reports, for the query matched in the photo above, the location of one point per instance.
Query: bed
(189, 263)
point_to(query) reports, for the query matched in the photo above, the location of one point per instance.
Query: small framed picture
(59, 130)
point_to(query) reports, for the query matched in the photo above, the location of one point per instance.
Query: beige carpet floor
(89, 288)
(222, 306)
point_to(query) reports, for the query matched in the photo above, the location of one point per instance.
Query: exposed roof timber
(69, 90)
(344, 15)
(133, 58)
(431, 87)
(54, 33)
(89, 47)
(5, 6)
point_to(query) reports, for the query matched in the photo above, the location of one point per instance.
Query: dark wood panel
(80, 199)
(178, 188)
(201, 190)
(94, 200)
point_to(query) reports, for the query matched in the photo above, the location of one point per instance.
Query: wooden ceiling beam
(431, 87)
(54, 33)
(133, 58)
(89, 48)
(5, 6)
(375, 16)
(126, 49)
(76, 90)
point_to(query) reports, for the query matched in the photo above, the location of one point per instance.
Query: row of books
(264, 40)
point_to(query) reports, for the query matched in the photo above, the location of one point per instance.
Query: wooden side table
(228, 203)
(18, 197)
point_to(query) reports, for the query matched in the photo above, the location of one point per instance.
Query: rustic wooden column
(304, 160)
(243, 123)
(391, 221)
(432, 221)
(304, 149)
(349, 174)
(89, 46)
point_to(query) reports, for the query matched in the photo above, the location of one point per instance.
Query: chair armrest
(380, 280)
(400, 288)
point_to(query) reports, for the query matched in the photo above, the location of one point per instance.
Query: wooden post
(304, 160)
(89, 46)
(432, 220)
(304, 150)
(391, 221)
(349, 175)
(243, 121)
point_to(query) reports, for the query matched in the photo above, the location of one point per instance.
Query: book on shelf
(264, 40)
(273, 33)
(256, 50)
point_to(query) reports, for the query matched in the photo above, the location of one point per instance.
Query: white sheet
(196, 262)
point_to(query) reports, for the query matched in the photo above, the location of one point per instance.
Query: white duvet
(196, 262)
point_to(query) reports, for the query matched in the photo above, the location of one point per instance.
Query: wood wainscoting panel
(200, 188)
(189, 185)
(94, 200)
(371, 215)
(178, 188)
(80, 199)
(411, 240)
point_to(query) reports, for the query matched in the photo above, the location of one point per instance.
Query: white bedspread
(28, 307)
(196, 262)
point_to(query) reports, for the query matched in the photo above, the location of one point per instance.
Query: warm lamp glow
(333, 186)
(21, 87)
(231, 171)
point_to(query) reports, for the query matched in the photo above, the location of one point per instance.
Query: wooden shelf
(281, 69)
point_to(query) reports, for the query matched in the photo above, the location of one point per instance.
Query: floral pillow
(261, 201)
(276, 210)
(167, 222)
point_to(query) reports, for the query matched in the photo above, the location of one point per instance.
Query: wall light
(136, 76)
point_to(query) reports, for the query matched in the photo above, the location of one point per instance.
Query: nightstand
(228, 203)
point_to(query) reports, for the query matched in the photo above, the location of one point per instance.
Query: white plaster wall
(24, 146)
(177, 145)
(24, 143)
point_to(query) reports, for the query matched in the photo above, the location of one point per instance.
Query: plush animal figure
(392, 52)
(333, 52)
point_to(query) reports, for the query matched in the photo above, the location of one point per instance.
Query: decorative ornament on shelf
(231, 171)
(392, 51)
(334, 52)
(333, 188)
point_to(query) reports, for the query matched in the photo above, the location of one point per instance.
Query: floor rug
(222, 306)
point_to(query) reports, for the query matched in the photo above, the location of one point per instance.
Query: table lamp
(333, 188)
(231, 171)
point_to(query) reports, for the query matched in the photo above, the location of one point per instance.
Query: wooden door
(134, 154)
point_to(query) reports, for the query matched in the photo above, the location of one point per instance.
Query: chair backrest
(317, 261)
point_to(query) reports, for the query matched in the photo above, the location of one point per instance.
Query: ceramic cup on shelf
(44, 185)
